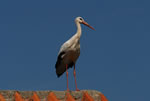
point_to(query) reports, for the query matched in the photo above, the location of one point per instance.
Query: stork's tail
(61, 67)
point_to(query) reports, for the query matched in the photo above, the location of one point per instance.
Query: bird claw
(67, 90)
(77, 89)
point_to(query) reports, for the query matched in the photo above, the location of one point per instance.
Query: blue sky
(115, 58)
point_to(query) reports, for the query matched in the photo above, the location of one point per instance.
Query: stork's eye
(80, 18)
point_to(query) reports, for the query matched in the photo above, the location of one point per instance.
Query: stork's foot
(67, 90)
(77, 89)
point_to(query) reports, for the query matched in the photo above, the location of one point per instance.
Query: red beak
(85, 23)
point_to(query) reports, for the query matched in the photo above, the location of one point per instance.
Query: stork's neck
(78, 33)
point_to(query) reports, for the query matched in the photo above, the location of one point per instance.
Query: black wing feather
(60, 66)
(59, 59)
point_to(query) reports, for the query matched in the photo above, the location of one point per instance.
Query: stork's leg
(67, 76)
(74, 72)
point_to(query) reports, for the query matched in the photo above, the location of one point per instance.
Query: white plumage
(70, 50)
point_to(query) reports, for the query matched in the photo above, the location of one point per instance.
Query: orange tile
(103, 98)
(87, 97)
(69, 97)
(2, 98)
(35, 97)
(18, 97)
(52, 97)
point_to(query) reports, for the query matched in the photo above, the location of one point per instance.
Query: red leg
(74, 72)
(67, 76)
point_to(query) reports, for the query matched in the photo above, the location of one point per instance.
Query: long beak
(85, 23)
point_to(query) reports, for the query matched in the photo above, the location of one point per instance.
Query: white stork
(70, 51)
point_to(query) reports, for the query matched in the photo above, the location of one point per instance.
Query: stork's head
(81, 21)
